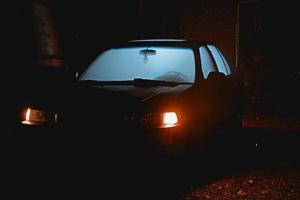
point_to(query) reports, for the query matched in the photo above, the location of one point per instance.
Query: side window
(225, 62)
(207, 63)
(221, 61)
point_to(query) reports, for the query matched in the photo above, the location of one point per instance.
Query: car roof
(164, 42)
(159, 40)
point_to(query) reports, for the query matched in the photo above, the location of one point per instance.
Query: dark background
(84, 27)
(260, 37)
(266, 52)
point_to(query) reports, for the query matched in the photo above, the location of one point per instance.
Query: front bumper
(128, 139)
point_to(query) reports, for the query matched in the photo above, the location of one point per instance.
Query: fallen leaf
(241, 193)
(265, 191)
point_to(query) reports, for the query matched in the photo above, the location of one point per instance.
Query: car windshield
(170, 64)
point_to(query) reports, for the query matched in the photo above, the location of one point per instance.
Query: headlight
(169, 119)
(36, 117)
(161, 120)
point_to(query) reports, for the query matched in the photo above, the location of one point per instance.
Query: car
(150, 111)
(166, 96)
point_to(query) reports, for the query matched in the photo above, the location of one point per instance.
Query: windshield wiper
(135, 82)
(95, 82)
(146, 82)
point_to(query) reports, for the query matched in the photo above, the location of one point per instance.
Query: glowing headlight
(35, 117)
(169, 119)
(161, 120)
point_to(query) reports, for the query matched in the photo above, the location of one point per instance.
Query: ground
(283, 184)
(274, 173)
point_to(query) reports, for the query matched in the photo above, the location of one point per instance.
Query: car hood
(109, 103)
(136, 94)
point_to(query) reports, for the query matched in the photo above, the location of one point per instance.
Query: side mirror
(72, 74)
(215, 76)
(76, 74)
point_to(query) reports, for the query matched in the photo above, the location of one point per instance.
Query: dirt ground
(283, 184)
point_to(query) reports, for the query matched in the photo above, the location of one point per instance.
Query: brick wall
(213, 21)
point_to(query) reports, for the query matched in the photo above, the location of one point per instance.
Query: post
(46, 36)
(237, 34)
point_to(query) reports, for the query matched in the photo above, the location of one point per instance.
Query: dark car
(150, 111)
(165, 96)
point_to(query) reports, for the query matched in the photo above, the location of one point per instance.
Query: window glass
(159, 63)
(207, 62)
(228, 68)
(219, 60)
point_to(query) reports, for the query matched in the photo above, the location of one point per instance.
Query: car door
(218, 91)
